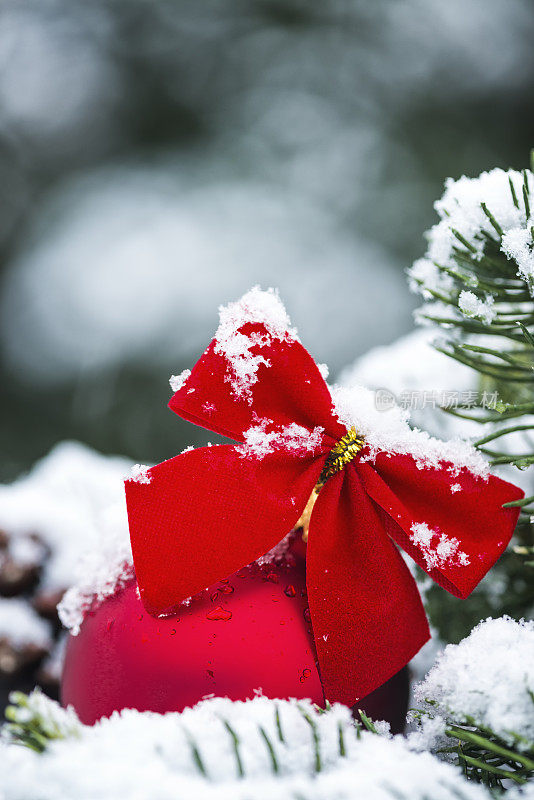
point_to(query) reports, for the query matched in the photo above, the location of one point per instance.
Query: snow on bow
(375, 484)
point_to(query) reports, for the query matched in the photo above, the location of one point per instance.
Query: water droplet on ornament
(173, 632)
(228, 589)
(110, 625)
(306, 614)
(140, 617)
(210, 673)
(305, 674)
(272, 577)
(290, 591)
(214, 596)
(219, 613)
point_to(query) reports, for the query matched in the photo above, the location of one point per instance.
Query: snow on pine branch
(230, 750)
(472, 306)
(466, 210)
(517, 245)
(38, 713)
(487, 680)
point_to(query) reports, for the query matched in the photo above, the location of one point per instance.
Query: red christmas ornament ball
(249, 633)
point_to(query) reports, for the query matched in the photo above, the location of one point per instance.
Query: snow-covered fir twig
(34, 721)
(480, 696)
(478, 288)
(477, 281)
(250, 750)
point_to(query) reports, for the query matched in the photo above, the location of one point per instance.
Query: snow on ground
(131, 753)
(21, 625)
(73, 499)
(489, 677)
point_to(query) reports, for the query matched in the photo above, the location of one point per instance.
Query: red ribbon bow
(202, 515)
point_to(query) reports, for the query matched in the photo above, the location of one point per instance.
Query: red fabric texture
(208, 512)
(368, 619)
(288, 389)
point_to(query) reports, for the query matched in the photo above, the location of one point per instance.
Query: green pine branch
(500, 349)
(486, 758)
(482, 754)
(34, 721)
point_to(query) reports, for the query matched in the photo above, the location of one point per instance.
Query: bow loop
(203, 515)
(255, 371)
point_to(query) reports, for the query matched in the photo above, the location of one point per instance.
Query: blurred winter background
(158, 157)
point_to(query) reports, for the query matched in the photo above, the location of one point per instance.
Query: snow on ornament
(358, 480)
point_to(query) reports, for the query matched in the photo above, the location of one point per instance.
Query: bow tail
(367, 616)
(203, 515)
(453, 525)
